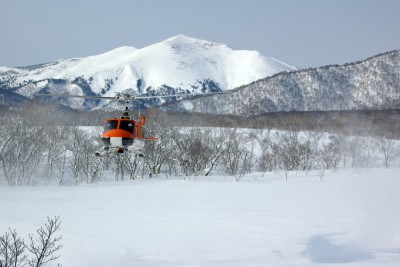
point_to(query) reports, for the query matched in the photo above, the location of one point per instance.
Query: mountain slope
(180, 64)
(366, 85)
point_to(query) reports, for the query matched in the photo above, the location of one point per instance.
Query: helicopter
(123, 134)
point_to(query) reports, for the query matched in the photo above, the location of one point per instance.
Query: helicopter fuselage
(124, 134)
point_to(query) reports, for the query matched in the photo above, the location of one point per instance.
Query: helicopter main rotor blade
(158, 96)
(111, 97)
(79, 96)
(164, 96)
(125, 96)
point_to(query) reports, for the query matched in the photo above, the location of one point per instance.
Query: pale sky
(304, 33)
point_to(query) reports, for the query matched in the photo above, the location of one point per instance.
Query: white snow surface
(180, 61)
(350, 218)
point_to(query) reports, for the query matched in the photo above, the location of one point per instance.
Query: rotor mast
(127, 112)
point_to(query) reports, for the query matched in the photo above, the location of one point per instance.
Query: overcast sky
(304, 33)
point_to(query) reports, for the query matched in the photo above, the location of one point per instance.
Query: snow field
(351, 218)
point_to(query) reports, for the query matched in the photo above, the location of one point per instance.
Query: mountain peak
(177, 64)
(179, 37)
(183, 39)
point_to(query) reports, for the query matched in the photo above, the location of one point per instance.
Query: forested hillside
(371, 84)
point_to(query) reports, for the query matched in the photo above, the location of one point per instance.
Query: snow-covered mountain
(178, 64)
(371, 84)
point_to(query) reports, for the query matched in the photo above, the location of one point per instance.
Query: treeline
(32, 154)
(375, 123)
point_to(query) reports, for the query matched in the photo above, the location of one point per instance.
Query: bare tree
(287, 149)
(92, 167)
(159, 153)
(20, 150)
(388, 148)
(12, 250)
(132, 163)
(354, 148)
(55, 149)
(267, 160)
(308, 151)
(237, 159)
(192, 151)
(216, 143)
(118, 167)
(81, 148)
(329, 154)
(45, 245)
(369, 148)
(42, 248)
(343, 145)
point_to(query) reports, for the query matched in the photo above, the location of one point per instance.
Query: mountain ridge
(372, 83)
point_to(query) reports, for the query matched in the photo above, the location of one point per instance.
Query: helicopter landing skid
(108, 150)
(117, 150)
(102, 154)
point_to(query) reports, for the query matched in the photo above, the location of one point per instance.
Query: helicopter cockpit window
(127, 126)
(110, 125)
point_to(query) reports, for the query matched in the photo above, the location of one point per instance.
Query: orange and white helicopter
(123, 134)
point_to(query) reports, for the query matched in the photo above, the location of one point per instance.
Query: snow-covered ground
(350, 218)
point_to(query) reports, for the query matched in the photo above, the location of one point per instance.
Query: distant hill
(371, 84)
